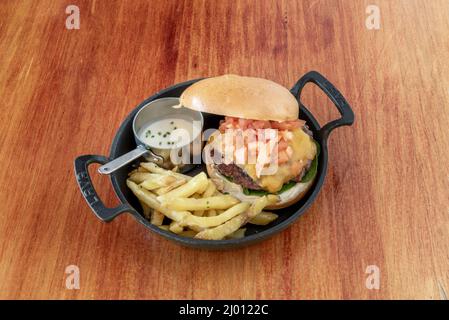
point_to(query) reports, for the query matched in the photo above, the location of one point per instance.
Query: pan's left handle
(88, 191)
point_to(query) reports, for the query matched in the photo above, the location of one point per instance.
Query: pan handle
(347, 116)
(88, 191)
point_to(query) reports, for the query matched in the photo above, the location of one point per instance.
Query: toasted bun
(286, 198)
(242, 97)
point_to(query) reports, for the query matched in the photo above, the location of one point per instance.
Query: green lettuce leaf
(251, 192)
(311, 173)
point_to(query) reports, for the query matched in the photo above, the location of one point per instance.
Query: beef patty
(237, 175)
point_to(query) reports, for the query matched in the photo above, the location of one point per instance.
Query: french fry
(152, 167)
(166, 189)
(222, 230)
(263, 218)
(138, 169)
(164, 227)
(146, 210)
(235, 223)
(157, 180)
(198, 213)
(197, 184)
(207, 193)
(139, 177)
(150, 200)
(195, 228)
(240, 233)
(207, 222)
(188, 233)
(257, 207)
(210, 190)
(175, 227)
(191, 204)
(157, 218)
(211, 213)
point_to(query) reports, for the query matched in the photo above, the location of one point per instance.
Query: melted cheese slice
(304, 150)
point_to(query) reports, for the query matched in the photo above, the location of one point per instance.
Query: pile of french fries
(193, 205)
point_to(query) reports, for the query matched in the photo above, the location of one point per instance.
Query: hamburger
(251, 107)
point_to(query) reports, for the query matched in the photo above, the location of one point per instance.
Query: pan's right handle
(88, 191)
(347, 116)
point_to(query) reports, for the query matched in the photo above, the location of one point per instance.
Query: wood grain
(386, 198)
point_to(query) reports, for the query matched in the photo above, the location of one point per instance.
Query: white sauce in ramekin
(169, 132)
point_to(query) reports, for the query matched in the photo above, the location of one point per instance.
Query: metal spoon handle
(123, 160)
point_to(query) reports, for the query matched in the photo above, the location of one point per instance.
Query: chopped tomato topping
(282, 157)
(243, 124)
(282, 145)
(283, 135)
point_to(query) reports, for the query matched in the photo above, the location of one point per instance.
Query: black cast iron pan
(124, 142)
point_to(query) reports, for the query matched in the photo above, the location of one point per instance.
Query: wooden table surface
(385, 201)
